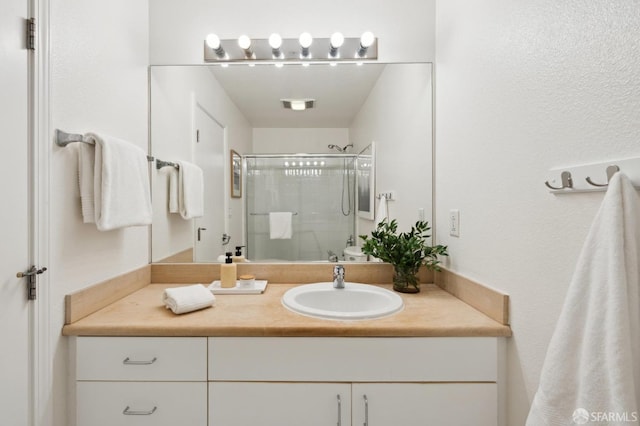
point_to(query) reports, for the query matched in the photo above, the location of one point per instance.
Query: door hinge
(31, 33)
(32, 280)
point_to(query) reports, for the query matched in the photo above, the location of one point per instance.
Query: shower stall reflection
(317, 189)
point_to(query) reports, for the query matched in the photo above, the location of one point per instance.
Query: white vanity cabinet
(406, 381)
(141, 381)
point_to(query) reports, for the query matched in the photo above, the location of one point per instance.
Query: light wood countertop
(432, 312)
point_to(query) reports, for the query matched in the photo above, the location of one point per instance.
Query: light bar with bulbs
(305, 48)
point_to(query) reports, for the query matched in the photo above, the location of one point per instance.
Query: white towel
(188, 298)
(86, 176)
(280, 225)
(593, 361)
(382, 212)
(120, 183)
(174, 204)
(190, 190)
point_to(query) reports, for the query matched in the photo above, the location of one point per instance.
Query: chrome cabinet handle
(128, 412)
(339, 410)
(127, 361)
(366, 410)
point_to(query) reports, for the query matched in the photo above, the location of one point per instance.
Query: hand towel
(86, 176)
(592, 364)
(190, 190)
(121, 188)
(174, 204)
(382, 212)
(280, 225)
(187, 299)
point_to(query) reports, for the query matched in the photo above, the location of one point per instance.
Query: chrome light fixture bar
(279, 50)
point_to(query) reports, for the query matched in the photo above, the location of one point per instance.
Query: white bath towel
(174, 204)
(121, 191)
(190, 190)
(188, 298)
(382, 212)
(591, 374)
(280, 225)
(86, 176)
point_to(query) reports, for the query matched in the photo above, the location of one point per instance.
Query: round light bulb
(244, 42)
(305, 40)
(213, 41)
(337, 39)
(367, 39)
(275, 41)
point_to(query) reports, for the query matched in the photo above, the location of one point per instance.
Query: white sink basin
(354, 254)
(355, 301)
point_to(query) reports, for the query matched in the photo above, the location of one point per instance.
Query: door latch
(31, 280)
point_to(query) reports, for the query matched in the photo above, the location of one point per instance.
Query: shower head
(343, 149)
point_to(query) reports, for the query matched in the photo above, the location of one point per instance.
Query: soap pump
(228, 272)
(238, 256)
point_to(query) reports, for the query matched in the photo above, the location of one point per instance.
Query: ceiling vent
(298, 104)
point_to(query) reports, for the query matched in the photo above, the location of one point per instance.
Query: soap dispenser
(228, 272)
(239, 257)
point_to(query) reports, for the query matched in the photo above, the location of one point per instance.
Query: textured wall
(522, 87)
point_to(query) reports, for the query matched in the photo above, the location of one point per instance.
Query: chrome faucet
(351, 241)
(332, 256)
(338, 276)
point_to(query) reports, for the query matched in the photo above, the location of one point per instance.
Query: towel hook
(567, 181)
(611, 170)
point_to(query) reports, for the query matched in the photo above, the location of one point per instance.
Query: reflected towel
(174, 204)
(382, 212)
(187, 299)
(280, 225)
(190, 190)
(121, 189)
(593, 360)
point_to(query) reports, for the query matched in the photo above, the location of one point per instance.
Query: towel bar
(63, 139)
(161, 163)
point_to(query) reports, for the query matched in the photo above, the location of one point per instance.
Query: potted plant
(406, 251)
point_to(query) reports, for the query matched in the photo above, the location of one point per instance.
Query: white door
(411, 404)
(209, 156)
(15, 396)
(254, 403)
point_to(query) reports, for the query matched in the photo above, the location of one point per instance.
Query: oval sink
(355, 301)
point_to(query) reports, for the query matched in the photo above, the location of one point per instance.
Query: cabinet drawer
(141, 358)
(149, 404)
(388, 359)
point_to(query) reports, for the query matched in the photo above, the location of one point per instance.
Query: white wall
(397, 116)
(298, 140)
(173, 91)
(178, 28)
(522, 87)
(99, 57)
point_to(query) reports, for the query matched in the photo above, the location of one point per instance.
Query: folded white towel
(280, 225)
(174, 204)
(593, 361)
(188, 298)
(86, 166)
(121, 188)
(190, 190)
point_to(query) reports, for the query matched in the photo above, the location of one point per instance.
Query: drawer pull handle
(339, 410)
(366, 410)
(128, 412)
(127, 361)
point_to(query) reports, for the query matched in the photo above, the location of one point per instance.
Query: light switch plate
(454, 223)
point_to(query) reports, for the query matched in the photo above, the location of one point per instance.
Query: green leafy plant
(406, 251)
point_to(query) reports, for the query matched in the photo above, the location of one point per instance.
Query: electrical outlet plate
(454, 223)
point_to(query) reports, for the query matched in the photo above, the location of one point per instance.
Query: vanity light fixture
(366, 40)
(301, 50)
(245, 44)
(335, 42)
(213, 41)
(305, 43)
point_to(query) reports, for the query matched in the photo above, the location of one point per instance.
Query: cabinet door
(300, 404)
(142, 403)
(411, 404)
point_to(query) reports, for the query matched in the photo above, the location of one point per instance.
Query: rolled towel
(187, 299)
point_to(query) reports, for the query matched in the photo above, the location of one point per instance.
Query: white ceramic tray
(258, 287)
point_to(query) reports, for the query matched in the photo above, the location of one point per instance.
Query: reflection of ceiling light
(298, 104)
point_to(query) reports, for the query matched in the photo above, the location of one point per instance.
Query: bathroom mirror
(204, 114)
